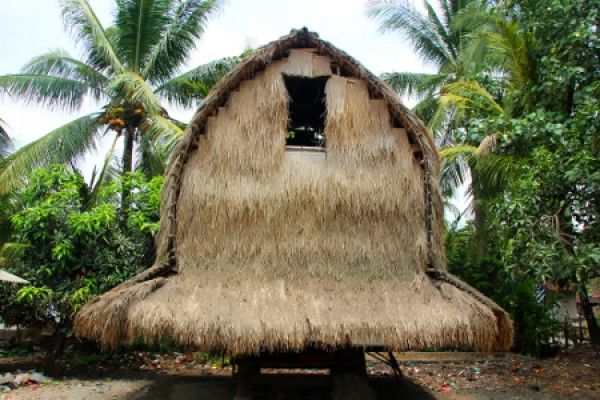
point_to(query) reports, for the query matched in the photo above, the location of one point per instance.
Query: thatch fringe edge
(504, 322)
(106, 318)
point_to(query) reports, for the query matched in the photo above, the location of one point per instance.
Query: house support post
(245, 374)
(350, 376)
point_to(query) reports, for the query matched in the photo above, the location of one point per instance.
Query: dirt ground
(426, 376)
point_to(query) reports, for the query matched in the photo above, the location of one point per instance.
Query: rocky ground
(148, 376)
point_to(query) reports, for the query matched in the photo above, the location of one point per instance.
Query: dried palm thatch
(262, 249)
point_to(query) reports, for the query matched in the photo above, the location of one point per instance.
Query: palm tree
(464, 41)
(510, 55)
(437, 37)
(130, 66)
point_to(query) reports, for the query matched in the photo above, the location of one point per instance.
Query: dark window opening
(306, 105)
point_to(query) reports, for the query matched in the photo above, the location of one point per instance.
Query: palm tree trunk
(128, 149)
(127, 162)
(588, 314)
(480, 215)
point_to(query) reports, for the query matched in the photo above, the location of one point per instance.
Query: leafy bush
(516, 294)
(72, 243)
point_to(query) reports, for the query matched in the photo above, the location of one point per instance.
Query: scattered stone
(102, 388)
(36, 377)
(6, 378)
(20, 379)
(473, 374)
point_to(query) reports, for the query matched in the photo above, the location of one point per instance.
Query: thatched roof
(259, 251)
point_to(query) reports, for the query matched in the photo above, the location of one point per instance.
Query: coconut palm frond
(451, 153)
(408, 83)
(186, 26)
(152, 158)
(59, 63)
(514, 50)
(104, 175)
(418, 28)
(6, 143)
(470, 95)
(59, 146)
(180, 124)
(435, 81)
(510, 42)
(447, 11)
(191, 87)
(81, 20)
(477, 55)
(455, 169)
(494, 172)
(49, 91)
(132, 88)
(441, 30)
(140, 27)
(441, 121)
(426, 107)
(163, 131)
(161, 135)
(454, 174)
(471, 16)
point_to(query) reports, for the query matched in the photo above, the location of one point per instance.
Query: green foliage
(516, 294)
(541, 209)
(71, 250)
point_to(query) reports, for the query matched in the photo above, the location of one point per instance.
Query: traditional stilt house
(301, 210)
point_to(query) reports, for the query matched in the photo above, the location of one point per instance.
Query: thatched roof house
(301, 208)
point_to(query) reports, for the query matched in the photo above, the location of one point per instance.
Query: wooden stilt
(349, 361)
(246, 374)
(350, 376)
